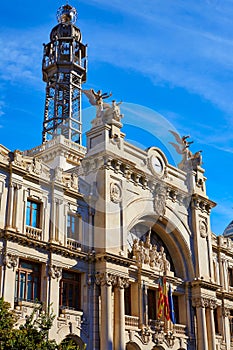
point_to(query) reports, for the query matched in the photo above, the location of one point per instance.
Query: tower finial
(66, 14)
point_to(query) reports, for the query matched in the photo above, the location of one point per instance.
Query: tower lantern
(64, 70)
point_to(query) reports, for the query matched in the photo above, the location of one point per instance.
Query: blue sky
(172, 56)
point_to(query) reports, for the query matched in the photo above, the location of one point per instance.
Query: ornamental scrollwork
(55, 272)
(145, 334)
(105, 278)
(122, 282)
(226, 312)
(204, 302)
(10, 260)
(110, 279)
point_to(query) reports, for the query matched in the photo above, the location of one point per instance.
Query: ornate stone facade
(95, 230)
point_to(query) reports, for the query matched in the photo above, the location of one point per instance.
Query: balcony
(73, 244)
(34, 233)
(24, 308)
(179, 329)
(131, 322)
(71, 315)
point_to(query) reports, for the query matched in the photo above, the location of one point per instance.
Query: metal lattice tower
(64, 70)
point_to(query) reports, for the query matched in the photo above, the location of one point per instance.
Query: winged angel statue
(182, 147)
(97, 99)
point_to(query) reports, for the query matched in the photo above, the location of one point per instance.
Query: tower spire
(64, 70)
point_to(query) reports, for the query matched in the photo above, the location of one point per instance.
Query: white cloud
(2, 103)
(21, 54)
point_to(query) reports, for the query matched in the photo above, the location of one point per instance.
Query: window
(176, 307)
(151, 303)
(231, 323)
(128, 301)
(216, 320)
(70, 290)
(27, 283)
(230, 277)
(33, 214)
(73, 227)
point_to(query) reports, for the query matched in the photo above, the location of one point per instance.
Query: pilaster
(10, 262)
(54, 275)
(119, 313)
(106, 280)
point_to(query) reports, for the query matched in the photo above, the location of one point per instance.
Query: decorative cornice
(202, 203)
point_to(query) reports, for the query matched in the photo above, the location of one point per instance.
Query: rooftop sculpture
(104, 110)
(189, 160)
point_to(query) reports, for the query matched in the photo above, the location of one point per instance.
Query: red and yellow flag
(165, 300)
(160, 300)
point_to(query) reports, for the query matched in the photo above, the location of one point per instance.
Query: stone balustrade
(72, 244)
(34, 232)
(131, 321)
(71, 315)
(180, 329)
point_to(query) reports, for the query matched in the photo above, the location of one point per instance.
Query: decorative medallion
(203, 228)
(115, 192)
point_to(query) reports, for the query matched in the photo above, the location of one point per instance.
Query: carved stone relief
(160, 195)
(110, 279)
(146, 253)
(115, 192)
(203, 228)
(105, 278)
(55, 272)
(204, 302)
(10, 260)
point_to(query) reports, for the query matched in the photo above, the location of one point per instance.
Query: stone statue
(116, 110)
(146, 253)
(105, 113)
(97, 99)
(189, 160)
(153, 256)
(162, 260)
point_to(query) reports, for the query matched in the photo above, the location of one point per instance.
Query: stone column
(10, 262)
(225, 277)
(55, 274)
(119, 314)
(10, 204)
(226, 327)
(202, 341)
(211, 325)
(106, 280)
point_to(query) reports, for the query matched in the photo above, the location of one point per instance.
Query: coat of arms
(160, 195)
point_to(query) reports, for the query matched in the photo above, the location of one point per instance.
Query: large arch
(74, 340)
(175, 235)
(132, 346)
